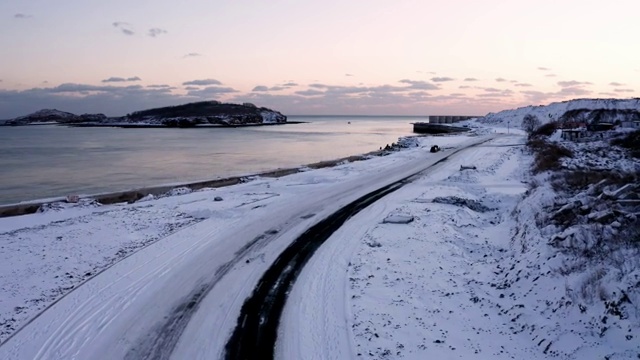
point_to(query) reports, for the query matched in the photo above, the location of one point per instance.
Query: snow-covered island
(512, 242)
(187, 115)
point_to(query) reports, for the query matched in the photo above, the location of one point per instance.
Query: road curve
(256, 332)
(181, 297)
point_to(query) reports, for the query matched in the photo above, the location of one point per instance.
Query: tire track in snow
(159, 345)
(256, 332)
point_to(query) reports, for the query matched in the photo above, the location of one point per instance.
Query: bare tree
(530, 123)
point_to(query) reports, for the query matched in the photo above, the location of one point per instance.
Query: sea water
(42, 161)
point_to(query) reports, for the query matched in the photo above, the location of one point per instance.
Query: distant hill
(187, 115)
(54, 116)
(207, 112)
(580, 110)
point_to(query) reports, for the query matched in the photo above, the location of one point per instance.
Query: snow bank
(554, 111)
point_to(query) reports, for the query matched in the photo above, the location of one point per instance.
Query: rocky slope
(187, 115)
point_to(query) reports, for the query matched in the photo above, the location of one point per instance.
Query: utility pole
(508, 122)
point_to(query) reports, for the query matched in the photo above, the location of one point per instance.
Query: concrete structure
(574, 134)
(448, 119)
(428, 128)
(631, 124)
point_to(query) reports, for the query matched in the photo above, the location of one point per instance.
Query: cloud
(124, 27)
(211, 91)
(86, 98)
(160, 86)
(537, 97)
(464, 87)
(193, 54)
(83, 88)
(352, 92)
(541, 68)
(574, 91)
(323, 98)
(114, 79)
(22, 16)
(290, 84)
(490, 89)
(203, 82)
(573, 83)
(607, 93)
(153, 32)
(495, 95)
(523, 84)
(266, 88)
(623, 90)
(441, 79)
(120, 79)
(419, 84)
(551, 75)
(613, 83)
(349, 75)
(501, 79)
(310, 92)
(470, 79)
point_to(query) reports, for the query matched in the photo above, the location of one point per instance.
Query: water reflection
(45, 161)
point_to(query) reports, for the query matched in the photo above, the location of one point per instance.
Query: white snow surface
(269, 117)
(554, 111)
(451, 284)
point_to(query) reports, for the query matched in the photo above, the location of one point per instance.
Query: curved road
(181, 297)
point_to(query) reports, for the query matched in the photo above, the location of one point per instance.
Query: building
(574, 134)
(630, 124)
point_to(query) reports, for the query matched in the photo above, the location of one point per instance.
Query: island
(196, 114)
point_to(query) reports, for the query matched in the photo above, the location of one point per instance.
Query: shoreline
(153, 126)
(201, 126)
(130, 196)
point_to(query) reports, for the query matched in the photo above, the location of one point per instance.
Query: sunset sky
(369, 57)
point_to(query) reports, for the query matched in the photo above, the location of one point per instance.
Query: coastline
(152, 126)
(130, 196)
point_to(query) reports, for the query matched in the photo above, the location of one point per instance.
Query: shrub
(545, 130)
(631, 141)
(548, 155)
(530, 123)
(536, 144)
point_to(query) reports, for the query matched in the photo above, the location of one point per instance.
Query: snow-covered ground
(554, 111)
(431, 271)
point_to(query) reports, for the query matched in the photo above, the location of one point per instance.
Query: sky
(329, 57)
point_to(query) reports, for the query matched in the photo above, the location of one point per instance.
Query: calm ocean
(49, 161)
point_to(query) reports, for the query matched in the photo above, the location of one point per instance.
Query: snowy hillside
(555, 111)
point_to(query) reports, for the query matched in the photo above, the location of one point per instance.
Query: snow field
(420, 289)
